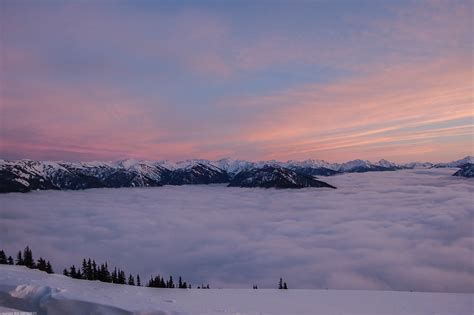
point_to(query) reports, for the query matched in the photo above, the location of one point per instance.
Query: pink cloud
(358, 112)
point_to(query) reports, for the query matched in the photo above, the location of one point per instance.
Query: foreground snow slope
(32, 290)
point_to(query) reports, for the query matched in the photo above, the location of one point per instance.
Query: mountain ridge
(26, 175)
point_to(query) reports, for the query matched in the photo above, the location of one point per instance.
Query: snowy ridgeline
(28, 175)
(29, 290)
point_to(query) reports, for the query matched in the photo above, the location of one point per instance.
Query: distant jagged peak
(348, 166)
(457, 163)
(233, 165)
(311, 163)
(385, 163)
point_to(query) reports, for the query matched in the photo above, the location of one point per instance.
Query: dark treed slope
(277, 177)
(467, 170)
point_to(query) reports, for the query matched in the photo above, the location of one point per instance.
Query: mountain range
(27, 175)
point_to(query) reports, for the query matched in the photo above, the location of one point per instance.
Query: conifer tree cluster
(282, 285)
(25, 258)
(90, 270)
(159, 282)
(4, 260)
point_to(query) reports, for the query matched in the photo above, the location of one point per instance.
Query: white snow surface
(24, 289)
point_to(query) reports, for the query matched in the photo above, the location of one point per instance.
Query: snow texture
(35, 291)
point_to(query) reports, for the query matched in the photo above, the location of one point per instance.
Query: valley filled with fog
(400, 230)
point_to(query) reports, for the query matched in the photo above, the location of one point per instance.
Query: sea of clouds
(403, 230)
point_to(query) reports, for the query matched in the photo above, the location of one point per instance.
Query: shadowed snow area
(31, 290)
(401, 230)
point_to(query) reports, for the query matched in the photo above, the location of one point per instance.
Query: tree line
(90, 270)
(25, 258)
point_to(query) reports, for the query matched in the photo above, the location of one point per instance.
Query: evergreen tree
(65, 272)
(84, 268)
(138, 280)
(284, 286)
(28, 258)
(131, 281)
(19, 259)
(122, 279)
(10, 260)
(3, 258)
(75, 273)
(170, 283)
(154, 282)
(114, 276)
(49, 268)
(280, 284)
(104, 274)
(41, 264)
(72, 271)
(95, 274)
(180, 283)
(89, 270)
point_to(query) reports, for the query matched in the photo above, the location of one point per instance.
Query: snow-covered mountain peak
(466, 160)
(458, 163)
(233, 166)
(187, 164)
(348, 166)
(385, 163)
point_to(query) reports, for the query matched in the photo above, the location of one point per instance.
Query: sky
(256, 80)
(403, 231)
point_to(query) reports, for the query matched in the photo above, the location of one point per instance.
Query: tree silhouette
(131, 281)
(19, 259)
(49, 268)
(3, 258)
(28, 260)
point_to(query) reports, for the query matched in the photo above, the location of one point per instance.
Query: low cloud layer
(404, 230)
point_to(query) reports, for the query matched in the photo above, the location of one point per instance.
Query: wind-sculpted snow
(24, 289)
(403, 230)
